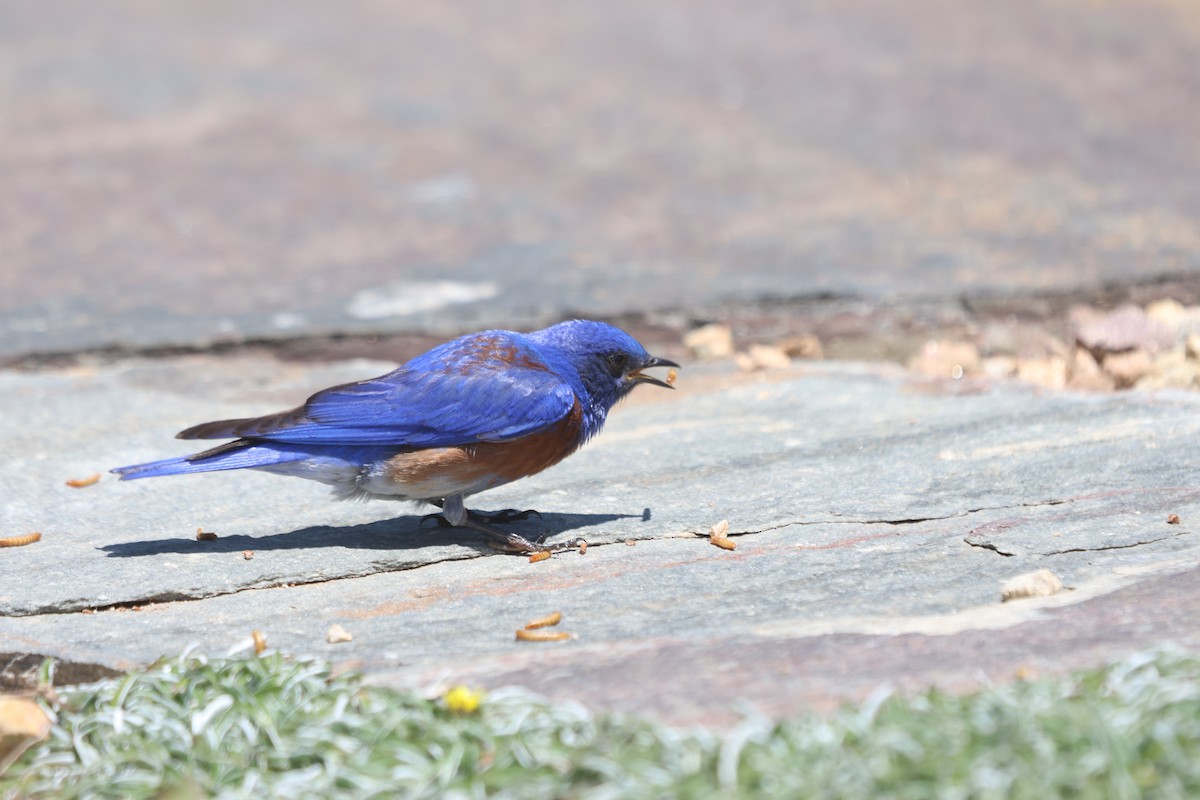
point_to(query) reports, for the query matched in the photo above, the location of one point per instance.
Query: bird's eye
(616, 363)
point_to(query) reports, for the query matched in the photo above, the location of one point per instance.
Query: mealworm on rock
(542, 636)
(20, 541)
(79, 483)
(547, 621)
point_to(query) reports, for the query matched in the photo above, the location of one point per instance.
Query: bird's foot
(497, 538)
(520, 545)
(515, 543)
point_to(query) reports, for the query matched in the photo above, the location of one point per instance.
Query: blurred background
(200, 171)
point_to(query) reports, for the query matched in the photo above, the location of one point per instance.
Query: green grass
(271, 727)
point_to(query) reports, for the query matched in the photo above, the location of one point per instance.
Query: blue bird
(474, 413)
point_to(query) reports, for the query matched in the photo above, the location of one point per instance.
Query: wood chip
(260, 642)
(545, 622)
(542, 636)
(672, 374)
(806, 346)
(22, 722)
(79, 483)
(945, 359)
(337, 634)
(20, 541)
(761, 356)
(540, 555)
(1127, 368)
(711, 341)
(717, 535)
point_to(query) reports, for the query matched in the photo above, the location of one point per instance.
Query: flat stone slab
(876, 516)
(182, 176)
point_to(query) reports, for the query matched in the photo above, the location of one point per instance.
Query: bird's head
(608, 360)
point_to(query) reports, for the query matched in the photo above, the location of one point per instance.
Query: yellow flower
(462, 700)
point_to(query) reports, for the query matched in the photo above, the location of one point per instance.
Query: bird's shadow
(399, 533)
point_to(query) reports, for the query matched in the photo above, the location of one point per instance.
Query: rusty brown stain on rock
(849, 541)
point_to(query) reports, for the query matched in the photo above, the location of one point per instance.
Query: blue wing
(487, 387)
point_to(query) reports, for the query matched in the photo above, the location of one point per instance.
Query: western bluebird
(471, 414)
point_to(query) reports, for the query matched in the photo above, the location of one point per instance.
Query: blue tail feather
(221, 458)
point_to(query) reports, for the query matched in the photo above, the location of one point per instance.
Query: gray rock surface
(876, 517)
(198, 171)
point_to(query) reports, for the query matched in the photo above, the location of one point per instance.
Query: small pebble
(337, 634)
(1042, 583)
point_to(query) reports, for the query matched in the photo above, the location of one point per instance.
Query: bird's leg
(440, 519)
(458, 516)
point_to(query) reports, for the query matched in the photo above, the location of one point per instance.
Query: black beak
(653, 361)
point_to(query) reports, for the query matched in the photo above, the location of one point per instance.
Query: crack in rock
(918, 520)
(83, 606)
(137, 604)
(1113, 546)
(990, 546)
(905, 521)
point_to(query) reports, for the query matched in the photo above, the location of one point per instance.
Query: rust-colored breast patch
(439, 472)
